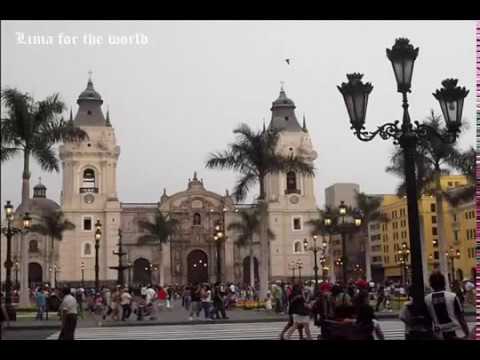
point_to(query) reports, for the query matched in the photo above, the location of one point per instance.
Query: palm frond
(46, 157)
(243, 185)
(6, 153)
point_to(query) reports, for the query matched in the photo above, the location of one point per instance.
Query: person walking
(125, 301)
(368, 328)
(300, 313)
(380, 298)
(206, 300)
(80, 297)
(196, 302)
(68, 313)
(219, 301)
(445, 310)
(41, 302)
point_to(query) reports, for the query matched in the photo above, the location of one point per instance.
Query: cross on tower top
(282, 83)
(90, 72)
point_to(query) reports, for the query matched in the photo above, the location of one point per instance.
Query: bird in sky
(288, 61)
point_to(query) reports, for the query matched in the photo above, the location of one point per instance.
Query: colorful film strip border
(477, 328)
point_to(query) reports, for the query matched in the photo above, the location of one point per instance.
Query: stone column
(24, 300)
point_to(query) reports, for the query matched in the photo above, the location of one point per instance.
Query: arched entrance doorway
(197, 265)
(246, 270)
(141, 272)
(35, 274)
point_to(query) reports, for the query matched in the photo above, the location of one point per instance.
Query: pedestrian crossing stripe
(393, 330)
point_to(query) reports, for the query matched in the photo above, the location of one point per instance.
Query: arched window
(297, 247)
(197, 220)
(89, 183)
(291, 182)
(33, 246)
(87, 249)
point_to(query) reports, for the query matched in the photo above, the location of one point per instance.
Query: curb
(56, 325)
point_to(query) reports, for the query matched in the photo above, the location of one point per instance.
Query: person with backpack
(219, 301)
(446, 310)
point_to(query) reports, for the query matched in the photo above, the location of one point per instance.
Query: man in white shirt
(125, 300)
(445, 310)
(68, 312)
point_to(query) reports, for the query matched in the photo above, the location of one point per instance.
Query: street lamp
(219, 236)
(315, 249)
(349, 224)
(16, 267)
(54, 270)
(9, 231)
(98, 236)
(82, 268)
(451, 97)
(451, 255)
(299, 265)
(292, 266)
(403, 253)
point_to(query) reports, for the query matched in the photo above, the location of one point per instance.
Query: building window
(87, 223)
(455, 235)
(33, 246)
(87, 249)
(197, 219)
(434, 219)
(432, 207)
(88, 178)
(297, 223)
(454, 217)
(450, 184)
(435, 255)
(434, 231)
(297, 247)
(291, 182)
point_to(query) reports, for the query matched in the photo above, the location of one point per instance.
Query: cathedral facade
(89, 195)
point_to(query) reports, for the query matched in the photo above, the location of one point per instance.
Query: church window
(88, 181)
(87, 223)
(197, 220)
(297, 247)
(33, 246)
(297, 223)
(89, 112)
(291, 182)
(88, 249)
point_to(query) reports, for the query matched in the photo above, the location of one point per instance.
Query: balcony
(84, 190)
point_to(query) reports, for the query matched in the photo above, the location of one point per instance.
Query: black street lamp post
(339, 263)
(219, 237)
(451, 98)
(82, 268)
(349, 224)
(299, 267)
(9, 231)
(292, 266)
(17, 267)
(120, 268)
(403, 253)
(315, 249)
(98, 235)
(451, 255)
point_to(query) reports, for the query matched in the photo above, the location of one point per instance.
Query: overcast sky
(179, 96)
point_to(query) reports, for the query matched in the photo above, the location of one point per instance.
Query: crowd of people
(342, 312)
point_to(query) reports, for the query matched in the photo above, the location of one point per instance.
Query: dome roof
(38, 207)
(283, 101)
(89, 94)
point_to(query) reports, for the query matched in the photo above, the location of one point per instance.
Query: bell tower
(89, 191)
(290, 195)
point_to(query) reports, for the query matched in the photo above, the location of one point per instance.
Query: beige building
(89, 194)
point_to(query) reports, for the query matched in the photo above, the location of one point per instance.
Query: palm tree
(369, 206)
(53, 225)
(33, 128)
(159, 232)
(465, 163)
(246, 228)
(432, 155)
(254, 155)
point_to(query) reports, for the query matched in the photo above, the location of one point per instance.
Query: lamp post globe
(451, 98)
(402, 55)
